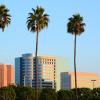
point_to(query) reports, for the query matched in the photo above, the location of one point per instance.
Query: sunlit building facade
(6, 75)
(84, 80)
(25, 71)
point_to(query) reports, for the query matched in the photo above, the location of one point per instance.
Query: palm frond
(75, 24)
(4, 17)
(37, 20)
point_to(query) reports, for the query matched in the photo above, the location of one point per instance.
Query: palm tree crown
(37, 20)
(4, 17)
(75, 25)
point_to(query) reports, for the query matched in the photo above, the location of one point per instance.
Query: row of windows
(45, 62)
(45, 59)
(39, 62)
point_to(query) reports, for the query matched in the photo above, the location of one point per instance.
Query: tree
(83, 93)
(65, 95)
(95, 94)
(7, 93)
(4, 17)
(75, 26)
(37, 21)
(24, 93)
(48, 94)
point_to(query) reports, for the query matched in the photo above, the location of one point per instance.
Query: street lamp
(93, 83)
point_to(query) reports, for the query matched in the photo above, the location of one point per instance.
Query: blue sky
(54, 40)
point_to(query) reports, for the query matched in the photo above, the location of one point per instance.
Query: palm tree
(37, 21)
(75, 26)
(4, 17)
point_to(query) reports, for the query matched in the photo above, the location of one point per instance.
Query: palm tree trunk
(36, 66)
(75, 68)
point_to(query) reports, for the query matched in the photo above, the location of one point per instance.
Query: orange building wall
(84, 80)
(6, 75)
(10, 74)
(3, 75)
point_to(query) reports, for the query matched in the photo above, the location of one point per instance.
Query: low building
(6, 75)
(84, 80)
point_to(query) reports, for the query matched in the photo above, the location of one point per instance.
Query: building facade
(25, 71)
(6, 75)
(84, 80)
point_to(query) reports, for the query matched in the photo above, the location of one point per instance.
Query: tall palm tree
(4, 17)
(36, 21)
(75, 26)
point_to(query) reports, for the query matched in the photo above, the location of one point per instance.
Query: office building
(25, 71)
(6, 75)
(84, 80)
(61, 66)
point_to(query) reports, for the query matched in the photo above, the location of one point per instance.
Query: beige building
(25, 71)
(48, 71)
(84, 80)
(6, 75)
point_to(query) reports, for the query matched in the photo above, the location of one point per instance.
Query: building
(84, 80)
(6, 75)
(25, 71)
(61, 66)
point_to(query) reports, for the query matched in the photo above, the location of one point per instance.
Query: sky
(54, 40)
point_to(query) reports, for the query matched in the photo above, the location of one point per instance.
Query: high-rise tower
(25, 71)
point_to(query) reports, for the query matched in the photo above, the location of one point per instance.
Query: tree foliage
(4, 17)
(24, 93)
(83, 93)
(48, 94)
(7, 93)
(28, 93)
(75, 25)
(37, 20)
(65, 95)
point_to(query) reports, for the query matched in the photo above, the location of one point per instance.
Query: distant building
(61, 66)
(25, 71)
(84, 80)
(6, 75)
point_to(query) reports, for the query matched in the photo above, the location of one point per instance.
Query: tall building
(25, 71)
(6, 75)
(84, 80)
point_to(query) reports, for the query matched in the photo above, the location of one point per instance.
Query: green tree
(24, 93)
(75, 26)
(36, 21)
(83, 93)
(4, 17)
(48, 94)
(65, 95)
(7, 93)
(95, 94)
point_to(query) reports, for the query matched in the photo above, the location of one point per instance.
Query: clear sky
(54, 40)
